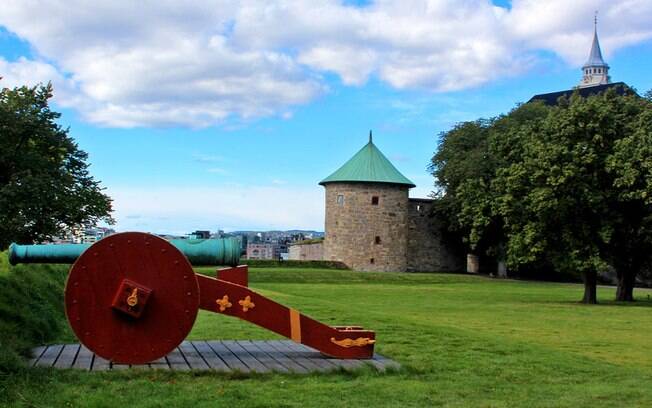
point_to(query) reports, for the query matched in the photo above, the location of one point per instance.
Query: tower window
(374, 200)
(377, 240)
(418, 207)
(340, 199)
(371, 261)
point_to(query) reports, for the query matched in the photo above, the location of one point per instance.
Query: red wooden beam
(230, 299)
(236, 274)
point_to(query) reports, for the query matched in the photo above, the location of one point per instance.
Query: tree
(462, 155)
(631, 166)
(464, 167)
(574, 195)
(569, 185)
(45, 186)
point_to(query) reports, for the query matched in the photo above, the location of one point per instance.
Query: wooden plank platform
(282, 356)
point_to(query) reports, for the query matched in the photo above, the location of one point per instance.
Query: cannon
(133, 297)
(200, 252)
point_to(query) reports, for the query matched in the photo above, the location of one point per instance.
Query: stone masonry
(427, 250)
(367, 233)
(306, 252)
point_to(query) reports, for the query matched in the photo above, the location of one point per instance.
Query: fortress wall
(307, 252)
(427, 251)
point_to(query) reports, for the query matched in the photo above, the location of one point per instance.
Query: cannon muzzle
(224, 251)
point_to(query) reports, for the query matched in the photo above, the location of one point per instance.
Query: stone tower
(595, 71)
(367, 213)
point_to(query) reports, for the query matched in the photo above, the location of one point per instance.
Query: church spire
(595, 70)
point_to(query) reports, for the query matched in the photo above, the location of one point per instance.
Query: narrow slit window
(371, 261)
(377, 240)
(374, 200)
(340, 199)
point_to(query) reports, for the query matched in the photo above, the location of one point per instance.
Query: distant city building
(260, 251)
(199, 235)
(218, 234)
(278, 240)
(87, 235)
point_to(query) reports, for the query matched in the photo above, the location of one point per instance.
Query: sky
(226, 115)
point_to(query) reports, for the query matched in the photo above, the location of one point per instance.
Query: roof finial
(595, 21)
(370, 137)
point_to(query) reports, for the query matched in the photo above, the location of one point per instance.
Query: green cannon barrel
(224, 251)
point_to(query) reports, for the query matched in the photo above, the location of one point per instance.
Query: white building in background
(84, 235)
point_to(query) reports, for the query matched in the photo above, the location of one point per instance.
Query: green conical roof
(368, 165)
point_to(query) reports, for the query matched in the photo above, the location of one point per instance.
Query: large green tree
(568, 185)
(45, 186)
(462, 159)
(464, 166)
(630, 165)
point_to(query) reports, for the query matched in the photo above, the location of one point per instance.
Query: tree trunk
(590, 279)
(502, 269)
(626, 282)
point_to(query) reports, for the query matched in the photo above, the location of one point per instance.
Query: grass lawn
(462, 340)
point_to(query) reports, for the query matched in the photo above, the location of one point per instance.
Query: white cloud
(29, 72)
(566, 27)
(177, 209)
(437, 45)
(157, 64)
(124, 63)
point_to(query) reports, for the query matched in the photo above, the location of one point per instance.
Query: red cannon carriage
(133, 297)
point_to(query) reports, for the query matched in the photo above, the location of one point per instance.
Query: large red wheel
(132, 298)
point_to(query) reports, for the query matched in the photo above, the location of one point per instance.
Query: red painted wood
(236, 274)
(276, 317)
(124, 292)
(171, 307)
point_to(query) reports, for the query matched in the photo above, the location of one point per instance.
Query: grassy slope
(31, 311)
(465, 341)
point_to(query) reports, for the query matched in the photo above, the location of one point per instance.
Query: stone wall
(307, 252)
(367, 237)
(427, 251)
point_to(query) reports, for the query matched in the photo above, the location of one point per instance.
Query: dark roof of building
(621, 88)
(369, 165)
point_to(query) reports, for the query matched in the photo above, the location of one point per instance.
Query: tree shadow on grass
(639, 302)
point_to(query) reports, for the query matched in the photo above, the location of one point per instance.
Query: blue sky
(228, 116)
